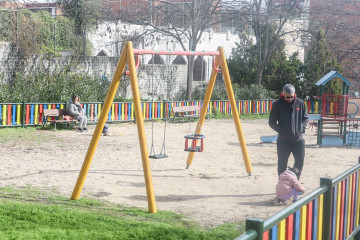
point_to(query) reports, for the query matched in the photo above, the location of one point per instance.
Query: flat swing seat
(158, 156)
(193, 147)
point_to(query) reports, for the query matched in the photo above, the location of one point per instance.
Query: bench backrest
(186, 108)
(55, 112)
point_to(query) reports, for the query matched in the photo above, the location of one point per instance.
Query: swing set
(162, 153)
(127, 57)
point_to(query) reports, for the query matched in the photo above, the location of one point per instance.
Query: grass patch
(32, 214)
(30, 135)
(20, 134)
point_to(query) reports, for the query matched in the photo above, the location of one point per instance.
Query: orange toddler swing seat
(193, 147)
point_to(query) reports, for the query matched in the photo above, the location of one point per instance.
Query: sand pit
(215, 189)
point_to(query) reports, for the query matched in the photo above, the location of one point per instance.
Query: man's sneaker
(80, 129)
(85, 130)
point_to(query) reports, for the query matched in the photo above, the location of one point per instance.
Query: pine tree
(319, 61)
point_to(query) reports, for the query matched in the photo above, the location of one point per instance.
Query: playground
(216, 188)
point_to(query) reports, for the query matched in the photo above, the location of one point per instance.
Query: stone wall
(8, 61)
(157, 81)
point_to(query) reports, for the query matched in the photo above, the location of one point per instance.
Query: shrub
(58, 87)
(247, 92)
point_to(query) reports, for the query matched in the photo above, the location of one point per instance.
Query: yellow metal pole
(141, 129)
(100, 125)
(234, 111)
(203, 111)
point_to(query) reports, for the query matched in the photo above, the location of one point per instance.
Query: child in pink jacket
(288, 186)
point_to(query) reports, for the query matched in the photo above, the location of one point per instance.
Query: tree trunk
(259, 74)
(190, 77)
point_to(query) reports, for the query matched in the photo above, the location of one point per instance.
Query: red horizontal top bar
(166, 52)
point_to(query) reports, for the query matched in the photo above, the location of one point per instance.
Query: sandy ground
(215, 189)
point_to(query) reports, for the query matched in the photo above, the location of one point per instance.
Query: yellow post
(141, 129)
(99, 127)
(234, 111)
(203, 110)
(221, 60)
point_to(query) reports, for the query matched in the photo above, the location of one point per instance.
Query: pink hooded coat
(288, 181)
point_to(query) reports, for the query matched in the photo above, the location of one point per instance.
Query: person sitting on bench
(77, 112)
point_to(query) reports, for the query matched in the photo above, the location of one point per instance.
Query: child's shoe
(278, 202)
(80, 129)
(85, 130)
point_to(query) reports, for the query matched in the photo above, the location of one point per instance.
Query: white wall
(110, 35)
(295, 40)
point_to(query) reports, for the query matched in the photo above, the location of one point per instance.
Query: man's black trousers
(285, 148)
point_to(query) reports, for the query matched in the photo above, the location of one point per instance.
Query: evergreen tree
(242, 64)
(319, 61)
(278, 71)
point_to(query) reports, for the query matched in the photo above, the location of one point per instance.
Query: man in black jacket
(289, 118)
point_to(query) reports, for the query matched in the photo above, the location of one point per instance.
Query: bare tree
(340, 21)
(185, 21)
(267, 20)
(170, 73)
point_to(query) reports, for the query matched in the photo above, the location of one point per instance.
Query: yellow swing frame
(127, 57)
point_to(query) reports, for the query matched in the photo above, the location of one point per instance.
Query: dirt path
(215, 189)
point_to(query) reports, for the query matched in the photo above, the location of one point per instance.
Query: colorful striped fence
(329, 212)
(28, 114)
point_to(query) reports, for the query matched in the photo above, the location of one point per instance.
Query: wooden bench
(186, 111)
(53, 116)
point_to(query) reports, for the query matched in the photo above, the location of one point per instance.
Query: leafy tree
(8, 25)
(278, 70)
(85, 14)
(242, 63)
(38, 33)
(53, 34)
(319, 61)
